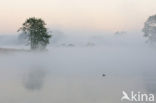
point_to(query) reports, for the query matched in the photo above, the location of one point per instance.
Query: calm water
(74, 75)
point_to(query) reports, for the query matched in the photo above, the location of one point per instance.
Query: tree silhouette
(36, 33)
(150, 29)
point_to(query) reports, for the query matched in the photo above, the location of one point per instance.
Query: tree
(22, 38)
(36, 33)
(150, 29)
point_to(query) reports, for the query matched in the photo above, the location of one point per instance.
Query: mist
(72, 67)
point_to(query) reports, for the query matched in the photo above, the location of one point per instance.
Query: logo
(137, 97)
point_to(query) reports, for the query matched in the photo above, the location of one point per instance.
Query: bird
(103, 75)
(125, 96)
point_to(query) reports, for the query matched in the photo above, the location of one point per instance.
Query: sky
(98, 15)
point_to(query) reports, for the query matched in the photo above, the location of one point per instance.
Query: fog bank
(73, 73)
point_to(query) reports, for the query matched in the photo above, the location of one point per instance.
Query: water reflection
(75, 75)
(34, 79)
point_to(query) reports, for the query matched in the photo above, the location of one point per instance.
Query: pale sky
(105, 15)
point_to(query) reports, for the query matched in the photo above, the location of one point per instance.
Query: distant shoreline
(8, 50)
